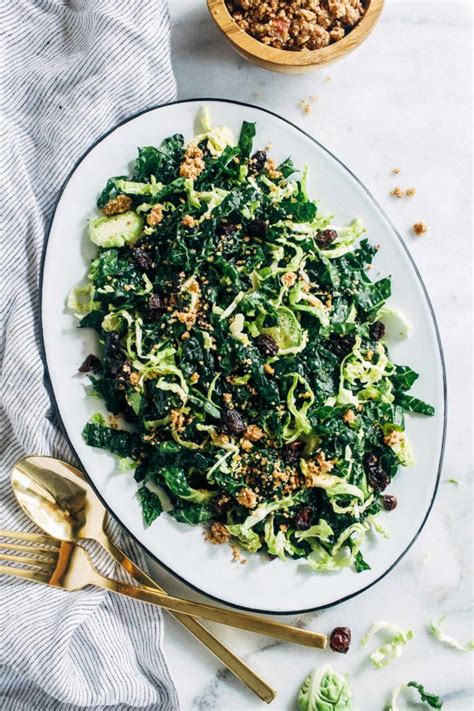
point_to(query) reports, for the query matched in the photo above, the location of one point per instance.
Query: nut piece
(254, 433)
(288, 279)
(193, 163)
(247, 497)
(218, 534)
(271, 168)
(155, 216)
(177, 420)
(397, 192)
(316, 468)
(117, 205)
(349, 417)
(419, 228)
(188, 221)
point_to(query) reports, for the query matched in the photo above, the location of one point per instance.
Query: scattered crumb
(395, 171)
(246, 445)
(420, 228)
(268, 147)
(113, 422)
(305, 104)
(236, 554)
(305, 107)
(185, 336)
(268, 369)
(328, 78)
(397, 192)
(270, 167)
(194, 378)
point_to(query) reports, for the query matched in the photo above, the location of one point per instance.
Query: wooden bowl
(292, 62)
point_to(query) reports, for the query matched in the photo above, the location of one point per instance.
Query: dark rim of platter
(55, 404)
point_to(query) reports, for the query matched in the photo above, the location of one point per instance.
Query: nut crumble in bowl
(298, 24)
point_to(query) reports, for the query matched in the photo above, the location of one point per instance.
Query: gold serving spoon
(56, 497)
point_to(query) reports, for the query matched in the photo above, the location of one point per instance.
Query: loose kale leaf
(359, 563)
(372, 296)
(286, 168)
(193, 513)
(431, 699)
(162, 162)
(404, 377)
(121, 442)
(92, 320)
(175, 480)
(413, 404)
(362, 256)
(228, 483)
(109, 191)
(151, 505)
(299, 211)
(113, 397)
(247, 135)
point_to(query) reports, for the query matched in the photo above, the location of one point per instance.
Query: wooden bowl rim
(295, 58)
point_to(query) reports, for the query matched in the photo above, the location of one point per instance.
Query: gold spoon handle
(240, 620)
(218, 648)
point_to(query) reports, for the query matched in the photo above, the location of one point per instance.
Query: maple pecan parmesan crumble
(297, 24)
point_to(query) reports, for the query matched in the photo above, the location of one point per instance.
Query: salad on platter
(244, 352)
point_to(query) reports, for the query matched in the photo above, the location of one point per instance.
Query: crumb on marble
(305, 107)
(397, 192)
(420, 228)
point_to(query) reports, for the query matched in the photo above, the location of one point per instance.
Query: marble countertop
(399, 101)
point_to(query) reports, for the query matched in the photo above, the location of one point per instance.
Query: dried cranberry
(112, 344)
(233, 422)
(377, 477)
(222, 504)
(225, 229)
(155, 306)
(292, 452)
(303, 518)
(377, 330)
(143, 260)
(125, 371)
(342, 345)
(257, 162)
(266, 345)
(389, 502)
(340, 640)
(256, 228)
(90, 363)
(113, 353)
(325, 237)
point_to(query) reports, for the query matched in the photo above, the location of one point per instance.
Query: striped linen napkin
(71, 70)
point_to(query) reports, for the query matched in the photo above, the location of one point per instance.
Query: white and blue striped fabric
(71, 70)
